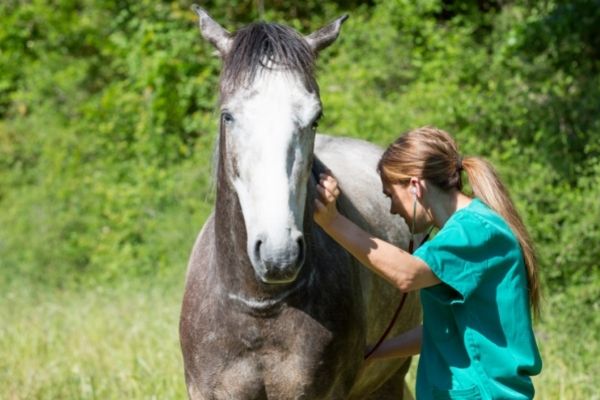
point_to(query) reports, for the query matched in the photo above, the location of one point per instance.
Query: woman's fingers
(325, 202)
(325, 194)
(330, 184)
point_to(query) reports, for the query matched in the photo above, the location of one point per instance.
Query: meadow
(107, 126)
(121, 342)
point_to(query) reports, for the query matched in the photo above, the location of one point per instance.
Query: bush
(108, 119)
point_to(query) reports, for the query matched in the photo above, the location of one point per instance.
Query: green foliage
(107, 119)
(101, 125)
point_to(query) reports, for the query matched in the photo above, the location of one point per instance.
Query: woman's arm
(405, 345)
(390, 262)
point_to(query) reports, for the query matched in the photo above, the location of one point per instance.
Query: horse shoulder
(353, 162)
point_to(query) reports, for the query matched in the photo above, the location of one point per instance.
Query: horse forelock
(263, 46)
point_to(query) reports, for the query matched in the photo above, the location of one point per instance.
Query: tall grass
(106, 343)
(122, 343)
(569, 340)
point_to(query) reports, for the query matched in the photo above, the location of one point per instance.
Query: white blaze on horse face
(270, 141)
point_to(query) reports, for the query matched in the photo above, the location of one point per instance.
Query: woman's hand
(325, 204)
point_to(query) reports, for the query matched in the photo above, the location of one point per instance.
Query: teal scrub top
(478, 341)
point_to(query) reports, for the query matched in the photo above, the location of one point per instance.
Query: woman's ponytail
(488, 187)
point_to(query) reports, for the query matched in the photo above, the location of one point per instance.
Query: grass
(117, 343)
(569, 341)
(121, 343)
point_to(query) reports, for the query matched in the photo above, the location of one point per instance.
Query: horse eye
(315, 123)
(227, 117)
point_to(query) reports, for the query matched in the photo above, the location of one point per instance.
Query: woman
(477, 278)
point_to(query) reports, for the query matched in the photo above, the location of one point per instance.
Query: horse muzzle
(278, 262)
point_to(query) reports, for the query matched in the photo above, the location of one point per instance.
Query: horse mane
(267, 46)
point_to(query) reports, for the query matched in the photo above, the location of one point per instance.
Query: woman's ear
(415, 186)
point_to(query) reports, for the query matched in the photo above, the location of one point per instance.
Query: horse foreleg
(394, 388)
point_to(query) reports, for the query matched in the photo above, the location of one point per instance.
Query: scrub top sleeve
(457, 257)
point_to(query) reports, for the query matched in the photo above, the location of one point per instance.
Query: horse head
(270, 108)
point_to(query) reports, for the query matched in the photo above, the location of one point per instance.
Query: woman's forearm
(406, 345)
(390, 262)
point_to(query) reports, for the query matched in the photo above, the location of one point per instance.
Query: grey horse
(274, 308)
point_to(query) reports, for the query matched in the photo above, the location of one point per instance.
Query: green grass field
(121, 343)
(118, 343)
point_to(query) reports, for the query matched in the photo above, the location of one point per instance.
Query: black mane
(264, 45)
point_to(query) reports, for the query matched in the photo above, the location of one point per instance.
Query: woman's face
(401, 199)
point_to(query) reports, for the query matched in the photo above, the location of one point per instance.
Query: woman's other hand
(325, 203)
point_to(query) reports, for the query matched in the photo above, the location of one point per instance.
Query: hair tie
(459, 163)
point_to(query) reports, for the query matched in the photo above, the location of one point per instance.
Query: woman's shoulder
(479, 215)
(473, 217)
(481, 223)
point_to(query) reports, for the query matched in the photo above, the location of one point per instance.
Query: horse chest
(272, 375)
(289, 357)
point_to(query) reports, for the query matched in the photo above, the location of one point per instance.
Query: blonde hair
(432, 154)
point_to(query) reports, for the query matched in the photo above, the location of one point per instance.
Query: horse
(273, 308)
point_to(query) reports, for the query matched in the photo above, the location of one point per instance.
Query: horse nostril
(301, 252)
(257, 249)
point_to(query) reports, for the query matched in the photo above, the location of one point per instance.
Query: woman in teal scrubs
(477, 277)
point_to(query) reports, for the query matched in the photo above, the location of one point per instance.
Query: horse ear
(212, 31)
(322, 38)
